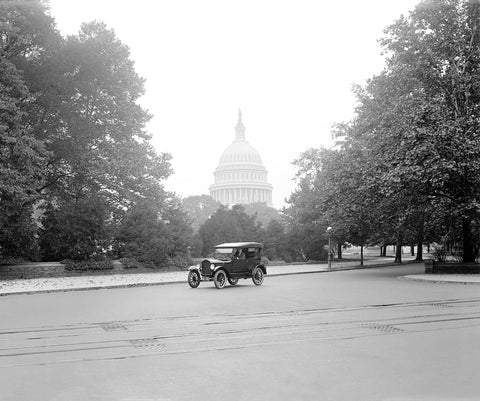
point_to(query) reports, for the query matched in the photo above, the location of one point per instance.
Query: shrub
(439, 253)
(457, 255)
(86, 265)
(130, 263)
(74, 231)
(143, 236)
(180, 261)
(13, 261)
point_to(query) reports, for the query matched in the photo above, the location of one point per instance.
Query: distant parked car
(230, 262)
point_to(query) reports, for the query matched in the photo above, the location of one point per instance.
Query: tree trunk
(398, 255)
(385, 250)
(361, 255)
(412, 250)
(339, 251)
(419, 257)
(398, 247)
(468, 246)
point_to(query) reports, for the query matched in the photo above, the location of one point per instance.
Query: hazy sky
(288, 65)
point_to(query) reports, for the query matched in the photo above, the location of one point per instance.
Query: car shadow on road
(207, 286)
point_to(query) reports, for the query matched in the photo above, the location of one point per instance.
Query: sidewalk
(445, 278)
(53, 284)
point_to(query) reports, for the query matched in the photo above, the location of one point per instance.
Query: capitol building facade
(240, 177)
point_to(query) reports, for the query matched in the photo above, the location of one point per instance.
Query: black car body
(230, 262)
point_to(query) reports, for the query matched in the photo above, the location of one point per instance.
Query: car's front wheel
(193, 279)
(257, 276)
(233, 281)
(220, 279)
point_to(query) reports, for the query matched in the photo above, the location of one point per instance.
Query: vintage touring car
(230, 262)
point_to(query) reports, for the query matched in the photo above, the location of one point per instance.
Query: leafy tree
(228, 225)
(142, 235)
(179, 228)
(17, 232)
(275, 240)
(200, 208)
(75, 231)
(322, 199)
(99, 142)
(346, 199)
(263, 213)
(22, 156)
(305, 242)
(413, 145)
(21, 167)
(95, 130)
(154, 236)
(24, 32)
(72, 132)
(420, 116)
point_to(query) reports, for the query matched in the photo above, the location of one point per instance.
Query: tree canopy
(228, 225)
(412, 151)
(200, 208)
(73, 139)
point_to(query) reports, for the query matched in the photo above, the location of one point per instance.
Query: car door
(239, 262)
(253, 257)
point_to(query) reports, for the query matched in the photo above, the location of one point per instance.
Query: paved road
(346, 335)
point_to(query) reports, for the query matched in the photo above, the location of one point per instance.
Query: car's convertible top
(240, 245)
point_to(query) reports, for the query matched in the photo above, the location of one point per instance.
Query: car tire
(220, 279)
(257, 276)
(194, 278)
(233, 281)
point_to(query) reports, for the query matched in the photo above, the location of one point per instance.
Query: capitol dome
(240, 151)
(240, 177)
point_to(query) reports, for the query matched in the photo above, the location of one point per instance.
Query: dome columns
(235, 196)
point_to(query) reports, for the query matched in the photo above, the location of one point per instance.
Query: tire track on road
(219, 332)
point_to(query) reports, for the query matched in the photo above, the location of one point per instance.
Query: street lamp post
(329, 232)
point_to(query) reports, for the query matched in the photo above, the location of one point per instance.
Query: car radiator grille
(206, 268)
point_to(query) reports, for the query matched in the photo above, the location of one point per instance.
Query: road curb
(103, 287)
(437, 281)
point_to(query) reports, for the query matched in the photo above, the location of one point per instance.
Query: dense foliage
(408, 168)
(80, 180)
(263, 213)
(229, 225)
(213, 223)
(155, 236)
(76, 161)
(199, 209)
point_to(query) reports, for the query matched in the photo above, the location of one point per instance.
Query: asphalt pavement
(362, 335)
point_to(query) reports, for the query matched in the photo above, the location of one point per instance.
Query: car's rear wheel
(193, 279)
(257, 276)
(220, 279)
(233, 281)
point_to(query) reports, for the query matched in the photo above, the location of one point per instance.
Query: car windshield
(223, 253)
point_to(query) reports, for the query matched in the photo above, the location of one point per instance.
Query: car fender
(217, 269)
(195, 267)
(264, 269)
(220, 267)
